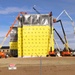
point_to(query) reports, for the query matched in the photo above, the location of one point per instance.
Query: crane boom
(65, 44)
(63, 31)
(59, 36)
(64, 11)
(11, 28)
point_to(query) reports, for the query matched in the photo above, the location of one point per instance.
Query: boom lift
(2, 54)
(63, 32)
(11, 27)
(64, 11)
(67, 50)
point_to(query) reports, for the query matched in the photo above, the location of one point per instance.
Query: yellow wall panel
(20, 39)
(13, 45)
(36, 40)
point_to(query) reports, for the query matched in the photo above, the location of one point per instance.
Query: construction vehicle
(11, 28)
(2, 54)
(64, 11)
(67, 50)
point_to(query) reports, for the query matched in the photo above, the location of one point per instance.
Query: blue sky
(9, 9)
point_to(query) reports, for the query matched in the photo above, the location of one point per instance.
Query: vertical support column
(52, 35)
(52, 40)
(20, 36)
(20, 40)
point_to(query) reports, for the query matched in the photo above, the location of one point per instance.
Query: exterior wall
(37, 41)
(20, 40)
(34, 36)
(51, 40)
(13, 45)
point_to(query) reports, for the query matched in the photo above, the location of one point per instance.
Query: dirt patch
(31, 66)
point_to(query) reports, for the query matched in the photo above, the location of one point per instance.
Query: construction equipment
(64, 11)
(11, 27)
(67, 50)
(52, 53)
(3, 55)
(36, 9)
(63, 31)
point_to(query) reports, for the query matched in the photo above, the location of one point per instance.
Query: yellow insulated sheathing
(13, 45)
(36, 40)
(52, 40)
(20, 42)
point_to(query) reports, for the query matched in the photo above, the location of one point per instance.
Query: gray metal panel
(35, 19)
(14, 35)
(45, 20)
(20, 21)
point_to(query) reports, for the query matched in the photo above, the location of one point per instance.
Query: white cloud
(9, 10)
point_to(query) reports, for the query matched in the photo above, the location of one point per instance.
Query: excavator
(67, 50)
(2, 54)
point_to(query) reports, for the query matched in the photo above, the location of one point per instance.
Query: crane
(64, 52)
(63, 33)
(67, 49)
(11, 28)
(64, 11)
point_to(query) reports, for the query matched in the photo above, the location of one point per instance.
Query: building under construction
(33, 36)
